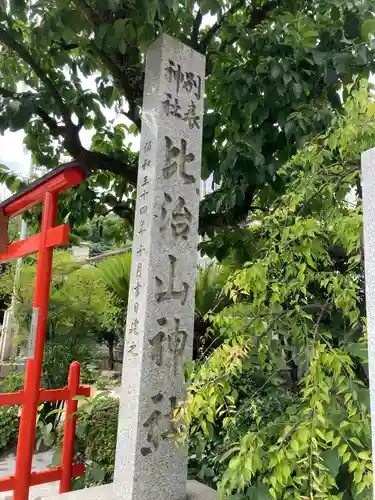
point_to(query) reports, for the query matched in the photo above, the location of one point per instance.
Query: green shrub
(89, 373)
(9, 420)
(103, 383)
(9, 424)
(96, 439)
(13, 382)
(267, 403)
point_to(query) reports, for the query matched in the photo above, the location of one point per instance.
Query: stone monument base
(199, 491)
(195, 491)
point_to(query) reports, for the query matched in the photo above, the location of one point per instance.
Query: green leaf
(363, 54)
(81, 429)
(130, 31)
(49, 440)
(48, 428)
(113, 4)
(368, 29)
(17, 6)
(320, 57)
(259, 492)
(297, 89)
(79, 398)
(122, 46)
(330, 75)
(56, 459)
(352, 25)
(342, 449)
(335, 13)
(364, 455)
(332, 461)
(211, 6)
(359, 350)
(276, 70)
(230, 159)
(97, 473)
(342, 62)
(146, 34)
(119, 27)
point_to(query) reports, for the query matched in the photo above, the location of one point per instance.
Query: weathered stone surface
(199, 491)
(110, 374)
(368, 181)
(160, 318)
(195, 491)
(96, 493)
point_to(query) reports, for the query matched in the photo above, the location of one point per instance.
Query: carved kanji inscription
(170, 292)
(173, 73)
(173, 340)
(191, 117)
(188, 81)
(171, 106)
(176, 160)
(159, 426)
(176, 216)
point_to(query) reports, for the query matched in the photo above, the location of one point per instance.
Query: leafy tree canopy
(274, 68)
(102, 233)
(80, 302)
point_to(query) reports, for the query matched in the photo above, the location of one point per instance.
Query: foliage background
(298, 323)
(278, 403)
(275, 70)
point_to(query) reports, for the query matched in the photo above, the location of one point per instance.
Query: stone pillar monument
(159, 328)
(368, 187)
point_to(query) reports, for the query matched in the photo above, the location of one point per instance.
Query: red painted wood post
(69, 428)
(27, 430)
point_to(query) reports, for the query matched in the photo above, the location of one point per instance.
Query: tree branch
(117, 72)
(94, 161)
(256, 17)
(239, 213)
(25, 55)
(91, 15)
(195, 31)
(259, 15)
(55, 129)
(70, 133)
(219, 23)
(8, 93)
(120, 76)
(51, 123)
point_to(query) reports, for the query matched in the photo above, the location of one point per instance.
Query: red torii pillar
(45, 190)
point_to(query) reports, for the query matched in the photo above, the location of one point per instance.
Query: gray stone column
(159, 332)
(368, 188)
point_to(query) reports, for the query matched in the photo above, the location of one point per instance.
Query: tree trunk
(111, 357)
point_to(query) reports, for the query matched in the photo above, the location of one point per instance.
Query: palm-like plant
(116, 274)
(210, 296)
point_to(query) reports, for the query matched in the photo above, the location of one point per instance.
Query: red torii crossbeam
(45, 190)
(67, 470)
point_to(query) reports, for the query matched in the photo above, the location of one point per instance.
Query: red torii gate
(45, 190)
